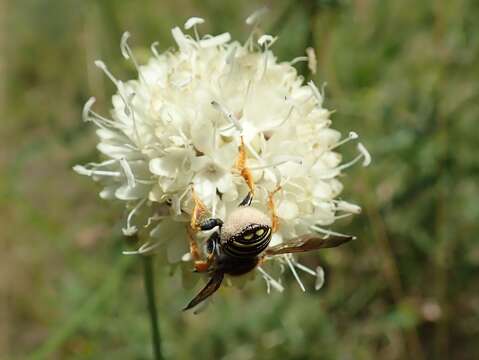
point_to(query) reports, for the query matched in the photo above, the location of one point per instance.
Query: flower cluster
(178, 127)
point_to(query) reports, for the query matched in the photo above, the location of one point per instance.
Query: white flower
(179, 126)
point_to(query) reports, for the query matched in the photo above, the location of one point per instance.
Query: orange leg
(200, 264)
(243, 169)
(272, 208)
(199, 211)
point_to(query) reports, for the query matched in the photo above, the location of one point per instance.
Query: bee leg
(244, 171)
(200, 264)
(199, 210)
(272, 208)
(213, 245)
(247, 200)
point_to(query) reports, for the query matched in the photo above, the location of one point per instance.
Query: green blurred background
(404, 74)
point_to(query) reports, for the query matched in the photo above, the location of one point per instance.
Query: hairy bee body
(245, 234)
(241, 242)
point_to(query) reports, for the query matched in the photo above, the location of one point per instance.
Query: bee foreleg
(247, 200)
(194, 250)
(202, 266)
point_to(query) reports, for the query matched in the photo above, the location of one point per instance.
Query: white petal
(215, 40)
(175, 160)
(322, 190)
(126, 192)
(324, 214)
(276, 239)
(205, 189)
(180, 38)
(348, 207)
(287, 210)
(365, 153)
(225, 183)
(328, 137)
(118, 152)
(108, 192)
(163, 167)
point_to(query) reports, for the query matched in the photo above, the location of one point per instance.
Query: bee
(241, 242)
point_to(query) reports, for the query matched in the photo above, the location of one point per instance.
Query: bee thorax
(241, 218)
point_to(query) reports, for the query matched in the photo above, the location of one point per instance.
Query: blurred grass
(405, 75)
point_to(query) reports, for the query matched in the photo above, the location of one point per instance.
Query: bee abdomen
(236, 266)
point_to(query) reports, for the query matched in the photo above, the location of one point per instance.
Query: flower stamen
(319, 96)
(130, 178)
(254, 18)
(215, 40)
(131, 230)
(298, 59)
(96, 118)
(192, 22)
(154, 49)
(293, 270)
(351, 136)
(270, 281)
(82, 170)
(327, 232)
(228, 115)
(128, 54)
(144, 249)
(119, 85)
(280, 161)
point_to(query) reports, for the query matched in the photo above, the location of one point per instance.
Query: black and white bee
(241, 242)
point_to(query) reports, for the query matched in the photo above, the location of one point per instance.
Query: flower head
(179, 125)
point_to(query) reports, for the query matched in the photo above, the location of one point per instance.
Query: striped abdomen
(252, 240)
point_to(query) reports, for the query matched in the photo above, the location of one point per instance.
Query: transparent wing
(307, 242)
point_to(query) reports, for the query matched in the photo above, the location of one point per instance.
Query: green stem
(149, 280)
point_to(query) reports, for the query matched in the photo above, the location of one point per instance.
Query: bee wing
(210, 288)
(307, 242)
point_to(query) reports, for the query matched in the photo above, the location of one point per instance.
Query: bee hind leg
(200, 264)
(199, 211)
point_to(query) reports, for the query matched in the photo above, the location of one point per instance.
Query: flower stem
(149, 281)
